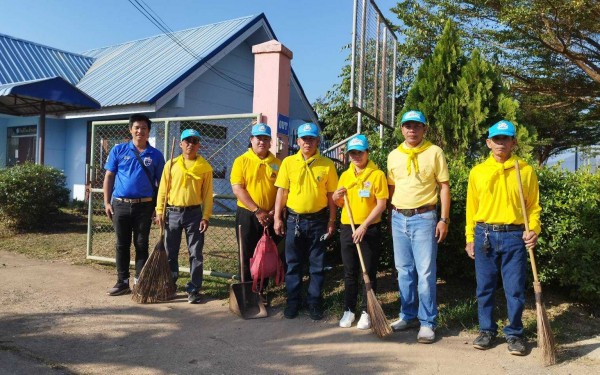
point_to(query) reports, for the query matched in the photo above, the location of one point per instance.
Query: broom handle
(525, 219)
(162, 227)
(349, 210)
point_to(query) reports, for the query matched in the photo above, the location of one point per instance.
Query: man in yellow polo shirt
(495, 234)
(253, 182)
(366, 187)
(189, 208)
(306, 183)
(417, 173)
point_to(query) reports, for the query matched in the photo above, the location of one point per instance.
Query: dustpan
(243, 302)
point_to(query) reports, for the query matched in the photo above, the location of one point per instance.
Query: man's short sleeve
(237, 175)
(283, 179)
(112, 162)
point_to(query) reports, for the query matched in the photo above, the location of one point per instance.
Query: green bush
(567, 253)
(28, 193)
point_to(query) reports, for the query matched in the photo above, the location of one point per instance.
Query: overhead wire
(157, 21)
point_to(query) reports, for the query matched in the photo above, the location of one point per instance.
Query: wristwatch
(445, 220)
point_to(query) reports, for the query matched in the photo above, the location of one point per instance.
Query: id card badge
(363, 193)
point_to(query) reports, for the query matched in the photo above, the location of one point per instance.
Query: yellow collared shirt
(186, 190)
(363, 191)
(493, 195)
(253, 176)
(417, 189)
(307, 183)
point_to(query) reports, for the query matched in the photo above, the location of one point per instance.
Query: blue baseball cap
(308, 130)
(261, 129)
(503, 127)
(358, 142)
(417, 116)
(189, 133)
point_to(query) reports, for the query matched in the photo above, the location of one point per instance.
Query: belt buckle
(497, 228)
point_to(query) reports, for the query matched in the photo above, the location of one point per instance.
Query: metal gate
(223, 138)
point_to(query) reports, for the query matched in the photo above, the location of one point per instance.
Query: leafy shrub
(29, 192)
(567, 252)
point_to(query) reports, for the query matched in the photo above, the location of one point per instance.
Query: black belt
(183, 208)
(134, 200)
(311, 216)
(414, 211)
(502, 227)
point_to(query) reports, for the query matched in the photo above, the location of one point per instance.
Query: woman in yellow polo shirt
(366, 187)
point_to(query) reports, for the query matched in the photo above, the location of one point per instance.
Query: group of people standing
(297, 199)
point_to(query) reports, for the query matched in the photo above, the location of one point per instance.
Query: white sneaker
(347, 319)
(426, 335)
(364, 322)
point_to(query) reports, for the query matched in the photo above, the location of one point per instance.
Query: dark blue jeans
(128, 219)
(506, 255)
(303, 246)
(175, 224)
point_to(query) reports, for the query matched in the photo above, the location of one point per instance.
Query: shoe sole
(363, 328)
(119, 293)
(481, 347)
(290, 316)
(345, 326)
(423, 340)
(513, 352)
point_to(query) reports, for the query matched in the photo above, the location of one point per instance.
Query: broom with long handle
(156, 282)
(379, 323)
(545, 337)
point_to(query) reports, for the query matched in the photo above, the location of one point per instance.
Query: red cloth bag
(266, 262)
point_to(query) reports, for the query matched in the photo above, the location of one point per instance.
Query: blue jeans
(506, 254)
(174, 225)
(302, 246)
(415, 253)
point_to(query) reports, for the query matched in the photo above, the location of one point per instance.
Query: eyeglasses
(192, 140)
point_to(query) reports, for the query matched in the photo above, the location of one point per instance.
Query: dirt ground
(55, 318)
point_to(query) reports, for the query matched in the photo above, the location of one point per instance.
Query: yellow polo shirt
(307, 182)
(363, 191)
(419, 188)
(257, 177)
(191, 185)
(493, 195)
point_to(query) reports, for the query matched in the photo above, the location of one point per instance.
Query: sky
(315, 30)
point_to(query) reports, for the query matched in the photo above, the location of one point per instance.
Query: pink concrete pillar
(272, 72)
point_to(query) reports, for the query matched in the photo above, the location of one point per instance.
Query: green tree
(460, 97)
(548, 50)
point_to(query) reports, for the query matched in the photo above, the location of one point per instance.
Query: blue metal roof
(21, 60)
(142, 71)
(23, 98)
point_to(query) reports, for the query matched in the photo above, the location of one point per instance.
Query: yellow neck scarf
(363, 175)
(200, 166)
(267, 162)
(412, 154)
(499, 168)
(306, 171)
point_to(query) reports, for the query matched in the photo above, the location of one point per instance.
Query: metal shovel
(243, 302)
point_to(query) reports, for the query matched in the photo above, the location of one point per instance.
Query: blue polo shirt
(130, 179)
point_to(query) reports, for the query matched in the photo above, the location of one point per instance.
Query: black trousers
(131, 220)
(252, 231)
(371, 249)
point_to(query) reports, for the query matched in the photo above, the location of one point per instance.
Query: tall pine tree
(460, 97)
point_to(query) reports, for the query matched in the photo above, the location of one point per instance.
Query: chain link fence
(223, 138)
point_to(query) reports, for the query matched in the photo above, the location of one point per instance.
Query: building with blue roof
(208, 70)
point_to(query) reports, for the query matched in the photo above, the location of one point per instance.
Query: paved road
(55, 318)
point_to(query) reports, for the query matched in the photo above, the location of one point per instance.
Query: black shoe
(120, 288)
(291, 311)
(484, 340)
(315, 312)
(194, 298)
(516, 346)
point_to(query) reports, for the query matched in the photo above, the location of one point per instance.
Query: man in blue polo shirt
(133, 171)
